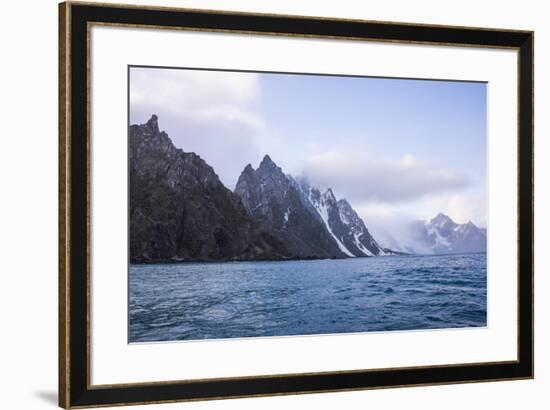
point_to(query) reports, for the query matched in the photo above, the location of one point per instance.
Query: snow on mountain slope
(276, 204)
(342, 221)
(322, 204)
(361, 237)
(308, 219)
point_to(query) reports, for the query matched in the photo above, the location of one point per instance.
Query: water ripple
(249, 299)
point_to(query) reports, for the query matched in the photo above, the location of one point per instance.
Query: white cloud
(390, 224)
(462, 208)
(392, 228)
(174, 89)
(389, 194)
(365, 178)
(214, 114)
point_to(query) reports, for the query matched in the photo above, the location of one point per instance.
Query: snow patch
(343, 216)
(439, 239)
(286, 215)
(360, 246)
(323, 212)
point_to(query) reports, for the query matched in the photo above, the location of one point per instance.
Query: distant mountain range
(438, 235)
(443, 235)
(181, 211)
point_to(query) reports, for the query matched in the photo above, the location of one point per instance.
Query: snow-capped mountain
(309, 220)
(442, 235)
(276, 203)
(341, 220)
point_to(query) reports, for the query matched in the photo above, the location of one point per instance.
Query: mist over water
(192, 301)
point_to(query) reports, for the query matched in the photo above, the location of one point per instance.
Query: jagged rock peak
(267, 162)
(180, 210)
(344, 202)
(329, 194)
(440, 217)
(441, 220)
(248, 176)
(153, 123)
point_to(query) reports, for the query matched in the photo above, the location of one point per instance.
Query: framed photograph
(257, 205)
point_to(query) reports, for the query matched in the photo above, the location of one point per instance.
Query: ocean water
(190, 301)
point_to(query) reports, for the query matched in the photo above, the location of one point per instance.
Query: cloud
(174, 89)
(365, 178)
(391, 228)
(214, 114)
(391, 224)
(462, 207)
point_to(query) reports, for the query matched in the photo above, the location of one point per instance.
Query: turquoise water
(190, 301)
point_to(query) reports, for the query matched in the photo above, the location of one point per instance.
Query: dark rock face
(180, 210)
(275, 202)
(442, 235)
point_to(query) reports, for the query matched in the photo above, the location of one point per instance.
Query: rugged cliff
(310, 221)
(180, 210)
(275, 202)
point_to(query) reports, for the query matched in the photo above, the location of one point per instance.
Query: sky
(397, 149)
